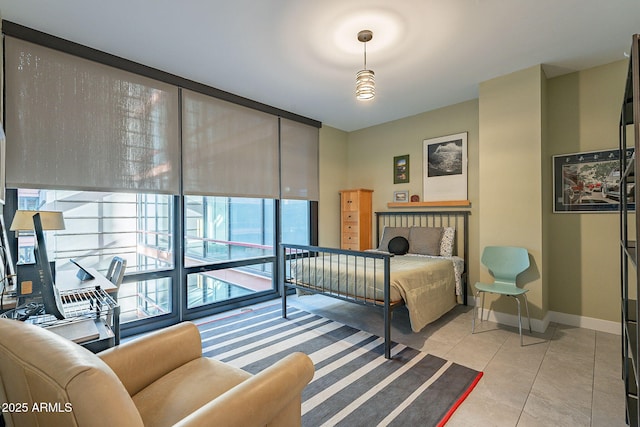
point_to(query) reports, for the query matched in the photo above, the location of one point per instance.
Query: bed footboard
(353, 276)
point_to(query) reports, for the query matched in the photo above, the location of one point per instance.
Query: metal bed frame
(369, 261)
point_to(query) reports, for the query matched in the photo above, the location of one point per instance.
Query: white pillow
(446, 243)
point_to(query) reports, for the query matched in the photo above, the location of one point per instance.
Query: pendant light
(365, 79)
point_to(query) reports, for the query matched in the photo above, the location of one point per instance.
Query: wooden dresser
(355, 219)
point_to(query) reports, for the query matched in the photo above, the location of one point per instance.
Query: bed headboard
(456, 219)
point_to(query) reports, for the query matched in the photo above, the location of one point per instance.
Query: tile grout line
(535, 378)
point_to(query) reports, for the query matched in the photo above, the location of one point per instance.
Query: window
(227, 228)
(141, 146)
(100, 225)
(295, 221)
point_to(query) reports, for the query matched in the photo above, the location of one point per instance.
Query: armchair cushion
(140, 362)
(185, 389)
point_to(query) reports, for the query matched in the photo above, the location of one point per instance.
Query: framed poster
(401, 169)
(445, 168)
(590, 182)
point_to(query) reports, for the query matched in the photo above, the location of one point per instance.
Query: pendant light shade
(365, 84)
(365, 79)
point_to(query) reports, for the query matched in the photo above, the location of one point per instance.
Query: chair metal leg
(475, 313)
(526, 304)
(482, 312)
(519, 319)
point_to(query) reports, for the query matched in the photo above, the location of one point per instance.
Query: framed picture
(590, 182)
(401, 169)
(445, 168)
(400, 196)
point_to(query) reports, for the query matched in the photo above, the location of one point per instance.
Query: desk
(83, 304)
(104, 337)
(66, 280)
(96, 297)
(68, 283)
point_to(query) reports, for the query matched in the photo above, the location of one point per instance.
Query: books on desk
(77, 331)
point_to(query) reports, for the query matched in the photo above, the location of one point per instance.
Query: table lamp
(23, 220)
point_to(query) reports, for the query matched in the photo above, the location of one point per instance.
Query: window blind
(228, 149)
(76, 124)
(299, 160)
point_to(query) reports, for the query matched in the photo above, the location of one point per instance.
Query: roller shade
(299, 157)
(76, 124)
(228, 149)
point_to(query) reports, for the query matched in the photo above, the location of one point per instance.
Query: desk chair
(115, 273)
(505, 263)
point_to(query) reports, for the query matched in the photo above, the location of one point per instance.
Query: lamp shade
(365, 85)
(23, 220)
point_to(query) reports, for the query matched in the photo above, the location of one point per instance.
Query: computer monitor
(35, 281)
(83, 274)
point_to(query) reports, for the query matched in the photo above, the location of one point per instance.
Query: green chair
(505, 263)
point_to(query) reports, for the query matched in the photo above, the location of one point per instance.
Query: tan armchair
(160, 379)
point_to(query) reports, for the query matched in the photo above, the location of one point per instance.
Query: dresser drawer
(349, 238)
(350, 227)
(350, 217)
(350, 201)
(351, 246)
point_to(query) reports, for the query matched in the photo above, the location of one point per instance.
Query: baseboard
(541, 325)
(585, 322)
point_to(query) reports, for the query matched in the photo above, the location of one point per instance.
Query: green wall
(333, 177)
(584, 251)
(370, 154)
(511, 111)
(576, 255)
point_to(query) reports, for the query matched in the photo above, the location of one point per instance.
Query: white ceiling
(302, 55)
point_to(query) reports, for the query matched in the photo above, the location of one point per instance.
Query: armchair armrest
(272, 397)
(140, 362)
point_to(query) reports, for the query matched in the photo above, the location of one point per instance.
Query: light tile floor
(567, 376)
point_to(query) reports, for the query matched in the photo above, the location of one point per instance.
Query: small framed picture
(400, 196)
(401, 169)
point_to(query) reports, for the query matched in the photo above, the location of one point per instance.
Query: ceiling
(302, 56)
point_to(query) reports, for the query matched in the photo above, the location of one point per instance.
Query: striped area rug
(354, 385)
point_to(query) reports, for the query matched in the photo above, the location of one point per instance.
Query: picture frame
(589, 181)
(401, 196)
(401, 169)
(445, 168)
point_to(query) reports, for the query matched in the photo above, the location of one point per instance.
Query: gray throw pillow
(389, 233)
(425, 240)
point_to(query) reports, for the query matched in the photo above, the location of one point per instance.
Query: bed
(420, 263)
